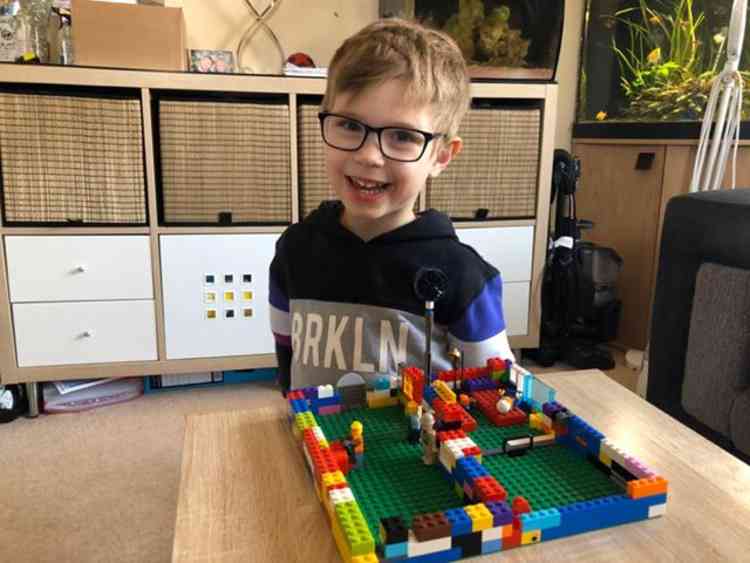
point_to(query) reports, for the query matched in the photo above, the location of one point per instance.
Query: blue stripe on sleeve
(276, 296)
(483, 317)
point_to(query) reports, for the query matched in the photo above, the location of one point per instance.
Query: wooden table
(245, 493)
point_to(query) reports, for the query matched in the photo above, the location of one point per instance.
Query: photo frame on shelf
(211, 61)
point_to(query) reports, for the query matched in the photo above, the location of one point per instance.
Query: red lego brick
(487, 489)
(520, 506)
(473, 450)
(447, 435)
(294, 395)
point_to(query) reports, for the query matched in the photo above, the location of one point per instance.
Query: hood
(430, 224)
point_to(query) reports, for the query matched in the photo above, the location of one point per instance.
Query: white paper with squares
(241, 326)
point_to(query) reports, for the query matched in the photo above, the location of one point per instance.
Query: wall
(318, 30)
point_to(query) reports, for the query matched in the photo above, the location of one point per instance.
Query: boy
(342, 283)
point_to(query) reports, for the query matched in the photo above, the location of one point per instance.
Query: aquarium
(500, 39)
(653, 61)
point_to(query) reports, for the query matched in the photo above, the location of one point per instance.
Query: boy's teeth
(367, 185)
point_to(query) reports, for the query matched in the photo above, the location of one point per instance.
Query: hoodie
(340, 304)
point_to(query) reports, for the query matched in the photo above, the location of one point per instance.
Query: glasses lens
(342, 132)
(402, 144)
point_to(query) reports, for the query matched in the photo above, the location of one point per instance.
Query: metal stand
(32, 392)
(259, 23)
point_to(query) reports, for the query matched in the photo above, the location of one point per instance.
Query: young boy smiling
(342, 283)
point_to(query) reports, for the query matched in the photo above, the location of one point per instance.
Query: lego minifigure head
(356, 429)
(396, 94)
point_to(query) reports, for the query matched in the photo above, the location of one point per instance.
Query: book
(73, 385)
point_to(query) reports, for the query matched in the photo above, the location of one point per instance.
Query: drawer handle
(79, 269)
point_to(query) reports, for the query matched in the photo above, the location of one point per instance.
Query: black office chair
(699, 361)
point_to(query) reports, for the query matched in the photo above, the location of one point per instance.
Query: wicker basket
(220, 158)
(313, 181)
(71, 159)
(497, 170)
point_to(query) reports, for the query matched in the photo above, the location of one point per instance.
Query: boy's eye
(404, 136)
(348, 125)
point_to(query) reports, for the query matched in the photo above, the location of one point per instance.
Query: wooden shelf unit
(291, 87)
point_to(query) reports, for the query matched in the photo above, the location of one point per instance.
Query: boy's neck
(369, 229)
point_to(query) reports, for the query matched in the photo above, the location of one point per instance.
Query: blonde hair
(428, 61)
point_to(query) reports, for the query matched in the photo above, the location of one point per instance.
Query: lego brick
(533, 536)
(461, 523)
(469, 544)
(439, 557)
(368, 558)
(540, 519)
(492, 546)
(393, 531)
(657, 510)
(649, 487)
(416, 547)
(481, 517)
(492, 534)
(430, 526)
(333, 409)
(394, 551)
(501, 513)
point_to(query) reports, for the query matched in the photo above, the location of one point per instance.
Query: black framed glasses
(396, 143)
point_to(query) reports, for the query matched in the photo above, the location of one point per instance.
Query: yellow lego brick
(605, 459)
(333, 478)
(323, 444)
(481, 517)
(341, 543)
(535, 421)
(374, 402)
(368, 558)
(533, 536)
(444, 392)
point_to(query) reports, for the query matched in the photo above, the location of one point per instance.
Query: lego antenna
(430, 284)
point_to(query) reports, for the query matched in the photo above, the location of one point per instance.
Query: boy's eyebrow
(354, 115)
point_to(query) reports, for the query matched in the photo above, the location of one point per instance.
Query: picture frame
(211, 61)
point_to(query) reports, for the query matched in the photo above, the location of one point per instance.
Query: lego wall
(317, 28)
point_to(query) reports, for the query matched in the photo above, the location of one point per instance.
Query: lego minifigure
(427, 439)
(358, 443)
(414, 413)
(505, 404)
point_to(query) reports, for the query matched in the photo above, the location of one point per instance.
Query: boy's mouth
(367, 186)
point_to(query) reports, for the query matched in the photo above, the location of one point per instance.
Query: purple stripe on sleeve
(283, 339)
(483, 317)
(276, 297)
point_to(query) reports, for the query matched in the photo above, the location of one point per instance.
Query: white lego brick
(544, 440)
(416, 548)
(492, 534)
(338, 496)
(325, 391)
(657, 510)
(318, 433)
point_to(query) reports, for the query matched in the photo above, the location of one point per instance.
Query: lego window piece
(210, 314)
(229, 296)
(209, 297)
(247, 313)
(228, 278)
(209, 279)
(228, 313)
(247, 295)
(247, 278)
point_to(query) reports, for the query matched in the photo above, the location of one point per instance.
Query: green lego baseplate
(395, 482)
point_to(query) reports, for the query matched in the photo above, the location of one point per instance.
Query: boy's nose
(369, 152)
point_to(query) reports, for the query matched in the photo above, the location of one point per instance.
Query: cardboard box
(128, 36)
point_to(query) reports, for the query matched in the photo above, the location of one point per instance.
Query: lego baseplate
(497, 482)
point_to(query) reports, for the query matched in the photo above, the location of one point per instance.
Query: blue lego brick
(492, 546)
(540, 520)
(479, 384)
(577, 427)
(396, 551)
(438, 557)
(429, 394)
(460, 521)
(468, 469)
(327, 402)
(528, 387)
(601, 513)
(299, 405)
(502, 514)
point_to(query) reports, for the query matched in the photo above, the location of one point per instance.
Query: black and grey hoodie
(340, 304)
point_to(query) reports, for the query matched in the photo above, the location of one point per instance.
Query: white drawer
(84, 333)
(509, 249)
(78, 268)
(516, 307)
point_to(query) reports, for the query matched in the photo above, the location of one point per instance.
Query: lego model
(519, 469)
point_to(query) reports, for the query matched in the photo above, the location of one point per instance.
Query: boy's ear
(446, 151)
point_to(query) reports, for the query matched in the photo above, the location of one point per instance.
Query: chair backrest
(699, 362)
